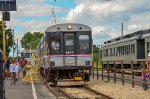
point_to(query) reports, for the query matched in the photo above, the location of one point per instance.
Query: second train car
(66, 54)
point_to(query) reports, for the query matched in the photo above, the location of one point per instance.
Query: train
(131, 47)
(66, 54)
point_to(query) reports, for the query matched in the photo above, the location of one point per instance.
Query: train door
(69, 49)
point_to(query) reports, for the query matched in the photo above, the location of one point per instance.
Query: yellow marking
(77, 78)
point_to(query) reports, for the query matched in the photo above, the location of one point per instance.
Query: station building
(27, 53)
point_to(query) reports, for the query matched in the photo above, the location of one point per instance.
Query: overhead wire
(52, 14)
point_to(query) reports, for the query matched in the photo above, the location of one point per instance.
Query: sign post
(5, 7)
(4, 39)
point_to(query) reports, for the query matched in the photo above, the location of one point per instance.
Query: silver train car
(66, 54)
(130, 47)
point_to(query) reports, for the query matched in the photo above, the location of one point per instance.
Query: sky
(103, 16)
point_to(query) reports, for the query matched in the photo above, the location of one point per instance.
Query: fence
(2, 91)
(123, 71)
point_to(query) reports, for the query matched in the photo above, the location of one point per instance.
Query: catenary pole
(13, 43)
(17, 50)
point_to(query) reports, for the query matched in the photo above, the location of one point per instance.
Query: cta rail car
(130, 47)
(66, 54)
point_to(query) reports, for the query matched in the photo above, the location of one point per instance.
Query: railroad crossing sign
(8, 5)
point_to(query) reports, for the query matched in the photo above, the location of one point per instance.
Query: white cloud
(104, 17)
(108, 15)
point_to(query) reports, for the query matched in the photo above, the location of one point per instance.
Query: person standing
(143, 74)
(4, 68)
(7, 65)
(17, 71)
(148, 66)
(22, 63)
(13, 70)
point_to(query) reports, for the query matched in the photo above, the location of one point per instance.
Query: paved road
(26, 91)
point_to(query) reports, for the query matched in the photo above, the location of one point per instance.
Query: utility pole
(122, 30)
(53, 15)
(13, 44)
(17, 50)
(4, 38)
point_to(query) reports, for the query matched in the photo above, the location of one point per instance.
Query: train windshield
(55, 43)
(84, 42)
(69, 38)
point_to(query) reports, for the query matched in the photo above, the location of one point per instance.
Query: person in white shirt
(13, 70)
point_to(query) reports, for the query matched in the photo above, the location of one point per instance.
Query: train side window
(148, 47)
(117, 51)
(133, 48)
(114, 51)
(83, 42)
(106, 52)
(122, 50)
(129, 48)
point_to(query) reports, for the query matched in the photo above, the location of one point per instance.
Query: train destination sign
(8, 5)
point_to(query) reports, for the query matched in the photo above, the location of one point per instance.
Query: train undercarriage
(66, 77)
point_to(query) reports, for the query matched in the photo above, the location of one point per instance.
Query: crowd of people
(12, 69)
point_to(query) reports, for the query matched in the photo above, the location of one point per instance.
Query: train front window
(69, 39)
(55, 43)
(83, 42)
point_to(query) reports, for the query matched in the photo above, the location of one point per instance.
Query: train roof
(122, 41)
(142, 33)
(68, 27)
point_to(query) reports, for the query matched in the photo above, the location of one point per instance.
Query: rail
(61, 93)
(58, 92)
(98, 93)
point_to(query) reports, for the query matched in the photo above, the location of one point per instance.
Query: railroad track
(58, 92)
(78, 92)
(84, 92)
(103, 96)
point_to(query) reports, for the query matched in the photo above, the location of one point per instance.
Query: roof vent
(80, 28)
(58, 28)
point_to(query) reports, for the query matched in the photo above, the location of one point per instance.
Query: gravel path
(119, 91)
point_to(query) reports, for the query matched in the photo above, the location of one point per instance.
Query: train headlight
(69, 27)
(87, 62)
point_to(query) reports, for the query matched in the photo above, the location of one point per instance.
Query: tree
(9, 38)
(31, 39)
(96, 53)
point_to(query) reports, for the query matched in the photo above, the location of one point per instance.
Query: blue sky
(103, 16)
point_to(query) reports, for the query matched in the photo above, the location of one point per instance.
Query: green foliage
(31, 39)
(96, 54)
(9, 39)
